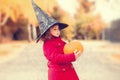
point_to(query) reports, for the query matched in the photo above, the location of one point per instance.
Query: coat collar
(55, 38)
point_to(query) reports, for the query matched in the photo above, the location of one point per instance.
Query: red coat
(59, 65)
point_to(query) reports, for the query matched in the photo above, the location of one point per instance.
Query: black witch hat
(45, 21)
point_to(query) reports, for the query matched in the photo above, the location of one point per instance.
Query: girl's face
(55, 31)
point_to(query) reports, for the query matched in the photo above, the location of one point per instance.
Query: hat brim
(61, 26)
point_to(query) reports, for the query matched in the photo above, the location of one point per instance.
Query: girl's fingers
(75, 51)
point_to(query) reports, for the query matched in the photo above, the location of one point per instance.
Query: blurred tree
(22, 31)
(83, 28)
(78, 32)
(56, 14)
(3, 19)
(10, 16)
(91, 25)
(97, 25)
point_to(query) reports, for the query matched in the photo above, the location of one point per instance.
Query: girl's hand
(77, 54)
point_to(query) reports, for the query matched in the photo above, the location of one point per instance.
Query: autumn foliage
(17, 15)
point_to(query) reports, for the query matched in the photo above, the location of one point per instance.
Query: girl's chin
(57, 36)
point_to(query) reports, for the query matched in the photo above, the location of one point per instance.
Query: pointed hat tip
(32, 1)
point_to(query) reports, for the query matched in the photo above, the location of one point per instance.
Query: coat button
(63, 69)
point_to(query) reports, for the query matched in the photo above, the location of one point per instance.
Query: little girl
(60, 65)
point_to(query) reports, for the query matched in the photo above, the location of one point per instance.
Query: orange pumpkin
(72, 46)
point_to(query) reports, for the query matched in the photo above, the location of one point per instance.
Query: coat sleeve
(53, 55)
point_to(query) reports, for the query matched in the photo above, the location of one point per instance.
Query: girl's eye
(55, 29)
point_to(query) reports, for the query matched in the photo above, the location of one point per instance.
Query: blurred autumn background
(89, 20)
(18, 20)
(85, 18)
